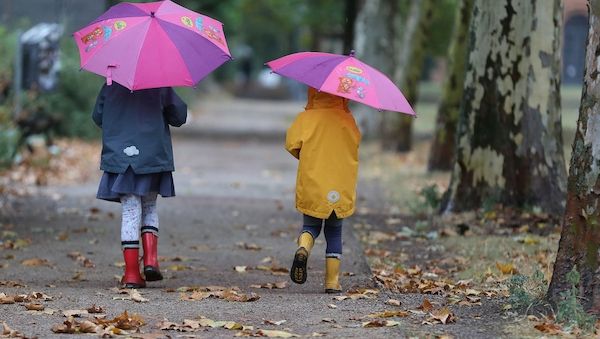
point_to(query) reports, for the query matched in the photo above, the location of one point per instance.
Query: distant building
(74, 14)
(575, 30)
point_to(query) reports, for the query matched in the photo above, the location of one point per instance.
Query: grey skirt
(114, 185)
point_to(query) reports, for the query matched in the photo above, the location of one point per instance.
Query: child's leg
(149, 214)
(333, 253)
(312, 225)
(150, 237)
(306, 240)
(333, 236)
(131, 221)
(130, 240)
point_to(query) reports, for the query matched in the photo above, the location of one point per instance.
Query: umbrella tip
(352, 52)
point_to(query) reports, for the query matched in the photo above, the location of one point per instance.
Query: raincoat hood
(321, 100)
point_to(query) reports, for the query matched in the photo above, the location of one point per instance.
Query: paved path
(232, 188)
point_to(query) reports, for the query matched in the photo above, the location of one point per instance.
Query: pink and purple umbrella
(345, 76)
(150, 45)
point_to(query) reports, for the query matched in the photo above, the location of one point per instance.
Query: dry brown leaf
(388, 314)
(8, 332)
(134, 295)
(506, 268)
(95, 309)
(426, 306)
(380, 323)
(34, 307)
(74, 313)
(35, 262)
(10, 283)
(549, 328)
(443, 315)
(249, 247)
(272, 322)
(6, 299)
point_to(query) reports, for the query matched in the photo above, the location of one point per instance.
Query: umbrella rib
(138, 56)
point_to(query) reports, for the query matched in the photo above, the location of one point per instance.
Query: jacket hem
(320, 215)
(146, 170)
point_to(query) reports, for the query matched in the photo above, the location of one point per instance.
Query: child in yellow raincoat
(324, 138)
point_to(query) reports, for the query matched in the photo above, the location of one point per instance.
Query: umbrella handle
(109, 69)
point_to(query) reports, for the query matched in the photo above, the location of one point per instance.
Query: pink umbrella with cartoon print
(150, 45)
(344, 76)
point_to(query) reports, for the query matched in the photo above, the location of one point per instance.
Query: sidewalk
(235, 186)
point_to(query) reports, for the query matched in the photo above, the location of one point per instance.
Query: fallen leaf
(380, 323)
(95, 309)
(549, 328)
(134, 295)
(250, 247)
(426, 306)
(388, 314)
(34, 307)
(332, 306)
(275, 334)
(393, 302)
(8, 332)
(35, 262)
(506, 268)
(74, 313)
(272, 322)
(277, 285)
(442, 315)
(240, 269)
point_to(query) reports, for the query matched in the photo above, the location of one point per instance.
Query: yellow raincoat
(325, 139)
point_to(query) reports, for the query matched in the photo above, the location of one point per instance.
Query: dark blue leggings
(333, 232)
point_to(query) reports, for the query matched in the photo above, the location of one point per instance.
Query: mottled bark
(509, 139)
(397, 128)
(441, 155)
(580, 237)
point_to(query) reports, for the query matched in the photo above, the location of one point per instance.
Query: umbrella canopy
(345, 76)
(150, 45)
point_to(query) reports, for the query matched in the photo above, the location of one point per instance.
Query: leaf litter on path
(133, 294)
(218, 292)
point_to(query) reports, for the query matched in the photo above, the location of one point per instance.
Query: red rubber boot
(150, 244)
(132, 277)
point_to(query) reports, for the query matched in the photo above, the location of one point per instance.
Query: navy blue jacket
(135, 128)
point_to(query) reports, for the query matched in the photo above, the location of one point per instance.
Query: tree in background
(509, 148)
(580, 237)
(411, 51)
(442, 148)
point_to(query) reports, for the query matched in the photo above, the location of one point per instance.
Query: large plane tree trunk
(509, 148)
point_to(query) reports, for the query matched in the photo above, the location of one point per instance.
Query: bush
(74, 100)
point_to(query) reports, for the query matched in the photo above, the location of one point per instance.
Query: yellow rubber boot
(298, 273)
(332, 275)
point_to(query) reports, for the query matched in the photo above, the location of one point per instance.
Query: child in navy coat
(137, 160)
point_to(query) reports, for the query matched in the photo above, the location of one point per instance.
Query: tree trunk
(375, 32)
(509, 144)
(580, 237)
(350, 10)
(397, 128)
(442, 148)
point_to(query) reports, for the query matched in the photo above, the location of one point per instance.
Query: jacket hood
(319, 100)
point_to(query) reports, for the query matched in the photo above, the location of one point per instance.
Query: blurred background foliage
(257, 31)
